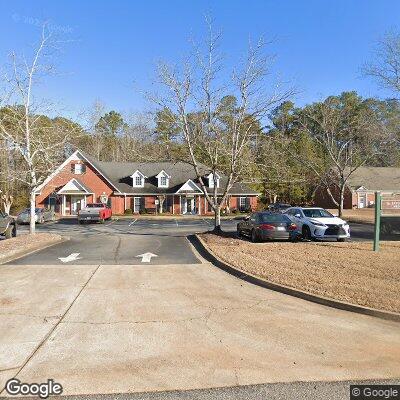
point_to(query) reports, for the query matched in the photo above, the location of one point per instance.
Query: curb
(23, 253)
(206, 253)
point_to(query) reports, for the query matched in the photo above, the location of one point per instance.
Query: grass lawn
(350, 272)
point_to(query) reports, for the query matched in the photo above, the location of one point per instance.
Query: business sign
(386, 224)
(390, 204)
(103, 198)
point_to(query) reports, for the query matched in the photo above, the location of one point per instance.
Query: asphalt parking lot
(125, 241)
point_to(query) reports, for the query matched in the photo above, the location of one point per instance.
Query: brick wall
(322, 198)
(91, 179)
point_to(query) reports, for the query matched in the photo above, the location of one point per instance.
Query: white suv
(317, 223)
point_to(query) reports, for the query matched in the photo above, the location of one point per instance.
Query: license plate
(88, 218)
(281, 228)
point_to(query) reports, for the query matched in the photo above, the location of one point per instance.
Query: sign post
(377, 220)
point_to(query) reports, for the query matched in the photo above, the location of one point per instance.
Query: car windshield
(95, 205)
(317, 213)
(274, 218)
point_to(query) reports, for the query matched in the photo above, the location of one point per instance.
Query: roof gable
(74, 186)
(189, 186)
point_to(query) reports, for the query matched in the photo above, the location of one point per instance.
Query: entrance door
(77, 203)
(363, 201)
(189, 207)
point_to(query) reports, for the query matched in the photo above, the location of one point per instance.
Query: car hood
(329, 221)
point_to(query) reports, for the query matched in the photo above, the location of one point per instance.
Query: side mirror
(246, 218)
(297, 215)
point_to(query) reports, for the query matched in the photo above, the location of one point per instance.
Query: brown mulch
(23, 244)
(349, 272)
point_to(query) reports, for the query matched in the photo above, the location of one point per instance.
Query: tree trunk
(32, 224)
(341, 201)
(217, 219)
(7, 200)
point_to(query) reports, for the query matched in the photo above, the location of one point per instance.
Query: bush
(128, 211)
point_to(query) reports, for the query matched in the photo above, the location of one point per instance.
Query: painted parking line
(132, 222)
(206, 221)
(176, 222)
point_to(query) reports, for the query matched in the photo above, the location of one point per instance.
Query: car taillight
(267, 227)
(292, 227)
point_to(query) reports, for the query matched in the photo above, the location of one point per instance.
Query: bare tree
(216, 130)
(386, 66)
(23, 126)
(346, 134)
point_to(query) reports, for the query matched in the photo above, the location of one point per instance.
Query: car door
(252, 222)
(246, 225)
(298, 217)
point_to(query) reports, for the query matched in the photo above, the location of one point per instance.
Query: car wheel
(341, 239)
(238, 232)
(306, 233)
(253, 236)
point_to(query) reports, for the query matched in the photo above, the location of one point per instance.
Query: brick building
(361, 187)
(81, 180)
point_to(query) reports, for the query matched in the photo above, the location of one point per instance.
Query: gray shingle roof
(119, 173)
(376, 178)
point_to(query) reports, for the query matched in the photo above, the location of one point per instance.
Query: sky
(112, 47)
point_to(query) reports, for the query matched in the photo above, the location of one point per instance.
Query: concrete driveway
(133, 328)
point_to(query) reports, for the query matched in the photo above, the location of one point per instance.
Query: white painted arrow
(71, 257)
(146, 257)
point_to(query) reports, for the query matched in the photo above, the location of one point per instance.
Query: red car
(94, 212)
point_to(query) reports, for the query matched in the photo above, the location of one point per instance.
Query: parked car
(94, 212)
(8, 226)
(42, 215)
(318, 223)
(268, 226)
(278, 207)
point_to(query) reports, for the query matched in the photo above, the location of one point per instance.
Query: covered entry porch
(73, 197)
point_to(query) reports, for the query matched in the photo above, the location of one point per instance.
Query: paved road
(121, 241)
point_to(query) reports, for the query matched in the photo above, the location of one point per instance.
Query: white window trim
(135, 175)
(163, 174)
(210, 178)
(160, 184)
(78, 169)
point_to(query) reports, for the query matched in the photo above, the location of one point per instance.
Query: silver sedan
(42, 215)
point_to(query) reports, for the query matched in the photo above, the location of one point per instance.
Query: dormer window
(138, 179)
(163, 179)
(211, 180)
